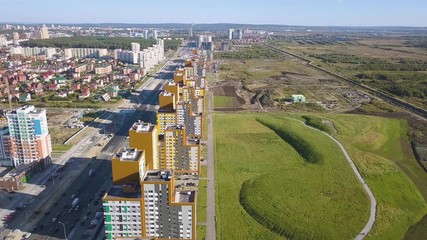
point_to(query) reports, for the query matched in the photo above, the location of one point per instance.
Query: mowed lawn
(286, 195)
(381, 151)
(224, 102)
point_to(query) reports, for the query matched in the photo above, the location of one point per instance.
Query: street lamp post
(65, 232)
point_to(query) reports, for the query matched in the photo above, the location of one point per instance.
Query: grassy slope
(379, 147)
(304, 193)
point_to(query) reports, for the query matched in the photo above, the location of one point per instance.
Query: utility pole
(65, 231)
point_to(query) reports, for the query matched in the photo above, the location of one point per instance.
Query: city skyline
(286, 12)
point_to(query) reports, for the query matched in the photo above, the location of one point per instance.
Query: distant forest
(98, 42)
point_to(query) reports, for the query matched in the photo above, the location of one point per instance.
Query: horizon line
(217, 23)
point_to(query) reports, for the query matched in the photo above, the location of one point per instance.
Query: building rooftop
(141, 126)
(128, 190)
(158, 175)
(27, 109)
(193, 141)
(185, 196)
(167, 94)
(9, 173)
(167, 110)
(175, 127)
(129, 154)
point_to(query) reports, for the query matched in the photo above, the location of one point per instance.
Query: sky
(284, 12)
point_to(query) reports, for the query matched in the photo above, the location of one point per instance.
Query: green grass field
(201, 232)
(284, 193)
(60, 147)
(301, 200)
(224, 102)
(201, 201)
(380, 149)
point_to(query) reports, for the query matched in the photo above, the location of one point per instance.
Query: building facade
(5, 156)
(145, 136)
(29, 136)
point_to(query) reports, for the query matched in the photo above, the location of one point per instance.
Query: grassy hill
(266, 189)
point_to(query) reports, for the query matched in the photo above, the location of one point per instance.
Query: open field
(283, 192)
(265, 164)
(391, 64)
(224, 102)
(381, 151)
(274, 80)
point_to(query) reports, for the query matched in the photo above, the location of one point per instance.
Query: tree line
(98, 42)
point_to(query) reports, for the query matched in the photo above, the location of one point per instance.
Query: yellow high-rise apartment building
(146, 203)
(145, 136)
(179, 151)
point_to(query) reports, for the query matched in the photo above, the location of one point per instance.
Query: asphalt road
(89, 189)
(210, 201)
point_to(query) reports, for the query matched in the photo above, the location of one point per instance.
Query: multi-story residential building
(3, 41)
(169, 213)
(103, 69)
(230, 33)
(29, 136)
(181, 113)
(128, 164)
(179, 151)
(31, 51)
(147, 204)
(85, 52)
(204, 42)
(41, 33)
(146, 59)
(145, 136)
(80, 68)
(186, 117)
(5, 157)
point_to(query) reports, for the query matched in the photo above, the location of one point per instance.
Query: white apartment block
(122, 216)
(85, 52)
(31, 51)
(146, 58)
(152, 208)
(167, 215)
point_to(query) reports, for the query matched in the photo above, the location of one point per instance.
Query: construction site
(271, 84)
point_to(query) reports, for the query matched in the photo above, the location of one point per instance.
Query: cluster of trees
(98, 42)
(89, 42)
(172, 44)
(418, 43)
(248, 53)
(392, 76)
(342, 58)
(401, 66)
(405, 90)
